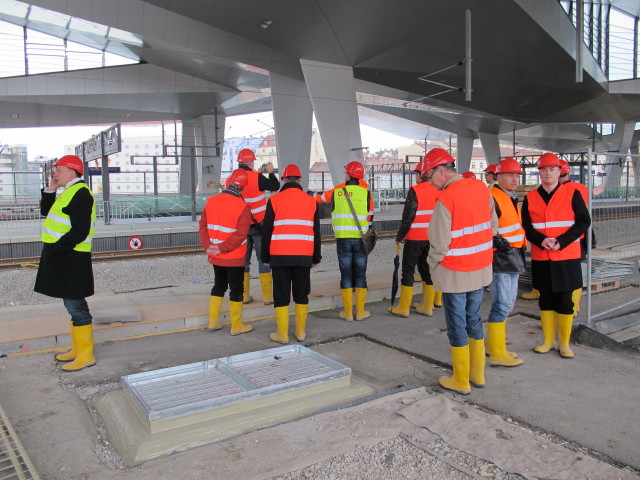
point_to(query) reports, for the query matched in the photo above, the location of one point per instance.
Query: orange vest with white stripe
(255, 197)
(223, 212)
(471, 247)
(553, 220)
(510, 221)
(293, 234)
(426, 194)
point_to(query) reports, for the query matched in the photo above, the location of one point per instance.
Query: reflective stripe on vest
(57, 224)
(293, 233)
(426, 195)
(255, 197)
(223, 211)
(471, 234)
(510, 220)
(344, 226)
(553, 220)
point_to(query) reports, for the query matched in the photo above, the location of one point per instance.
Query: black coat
(64, 272)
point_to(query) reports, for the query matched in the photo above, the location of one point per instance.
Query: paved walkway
(590, 401)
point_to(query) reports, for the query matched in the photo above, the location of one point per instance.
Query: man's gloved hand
(501, 244)
(398, 248)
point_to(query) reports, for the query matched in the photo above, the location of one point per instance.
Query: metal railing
(613, 264)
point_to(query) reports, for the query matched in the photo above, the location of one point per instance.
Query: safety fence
(613, 264)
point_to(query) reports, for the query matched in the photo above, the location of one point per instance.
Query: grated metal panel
(14, 462)
(186, 389)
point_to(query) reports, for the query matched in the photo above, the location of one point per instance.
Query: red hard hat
(469, 175)
(493, 168)
(238, 178)
(435, 157)
(355, 169)
(420, 167)
(549, 160)
(71, 161)
(291, 170)
(246, 156)
(564, 167)
(509, 165)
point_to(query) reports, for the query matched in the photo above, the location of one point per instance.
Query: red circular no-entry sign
(135, 243)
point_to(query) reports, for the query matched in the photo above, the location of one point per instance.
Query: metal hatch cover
(187, 389)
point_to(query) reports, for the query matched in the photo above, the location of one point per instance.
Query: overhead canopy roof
(202, 55)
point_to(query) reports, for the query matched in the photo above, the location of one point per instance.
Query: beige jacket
(451, 281)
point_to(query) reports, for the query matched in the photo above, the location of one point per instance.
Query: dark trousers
(559, 302)
(228, 277)
(415, 252)
(79, 311)
(291, 281)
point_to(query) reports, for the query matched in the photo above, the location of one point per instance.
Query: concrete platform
(589, 403)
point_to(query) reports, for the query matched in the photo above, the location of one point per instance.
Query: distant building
(231, 148)
(18, 178)
(267, 152)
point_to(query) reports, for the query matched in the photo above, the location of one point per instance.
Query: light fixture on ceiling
(129, 115)
(265, 23)
(14, 116)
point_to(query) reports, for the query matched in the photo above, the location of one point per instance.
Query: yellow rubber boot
(548, 321)
(576, 295)
(246, 287)
(347, 304)
(497, 338)
(301, 321)
(361, 300)
(459, 381)
(235, 313)
(477, 362)
(402, 310)
(282, 324)
(487, 339)
(215, 305)
(437, 300)
(426, 306)
(69, 355)
(564, 335)
(267, 288)
(84, 349)
(534, 294)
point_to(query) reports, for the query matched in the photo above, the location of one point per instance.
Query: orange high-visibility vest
(426, 194)
(553, 220)
(471, 247)
(255, 197)
(510, 221)
(293, 223)
(223, 212)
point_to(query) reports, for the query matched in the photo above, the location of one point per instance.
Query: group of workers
(462, 234)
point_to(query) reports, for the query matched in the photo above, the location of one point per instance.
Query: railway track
(32, 262)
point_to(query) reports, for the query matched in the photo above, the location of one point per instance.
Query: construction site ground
(549, 418)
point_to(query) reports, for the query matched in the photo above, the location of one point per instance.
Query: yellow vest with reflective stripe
(58, 223)
(344, 226)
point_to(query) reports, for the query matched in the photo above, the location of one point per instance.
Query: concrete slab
(136, 444)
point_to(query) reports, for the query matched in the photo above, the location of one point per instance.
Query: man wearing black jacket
(508, 261)
(65, 264)
(291, 247)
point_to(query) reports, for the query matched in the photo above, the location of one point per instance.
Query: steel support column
(293, 121)
(332, 92)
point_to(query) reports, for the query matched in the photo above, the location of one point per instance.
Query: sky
(50, 141)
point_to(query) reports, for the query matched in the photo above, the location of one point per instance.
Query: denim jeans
(79, 311)
(462, 315)
(254, 242)
(353, 263)
(504, 290)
